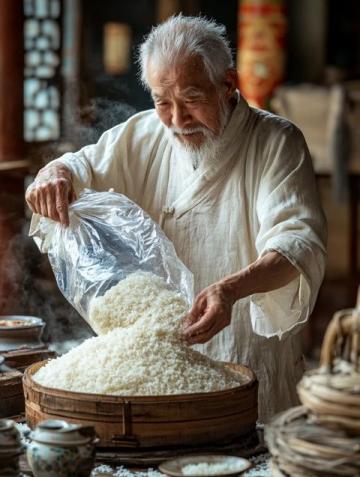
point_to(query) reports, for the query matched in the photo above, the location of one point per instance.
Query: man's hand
(51, 193)
(209, 315)
(212, 307)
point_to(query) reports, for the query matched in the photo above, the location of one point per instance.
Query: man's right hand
(51, 193)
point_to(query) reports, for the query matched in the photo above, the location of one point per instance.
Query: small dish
(19, 331)
(19, 321)
(213, 466)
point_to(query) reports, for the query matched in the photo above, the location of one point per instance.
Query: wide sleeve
(119, 160)
(291, 222)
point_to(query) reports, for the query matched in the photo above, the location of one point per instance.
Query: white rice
(228, 466)
(142, 298)
(141, 352)
(107, 471)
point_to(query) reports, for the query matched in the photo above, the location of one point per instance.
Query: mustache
(185, 131)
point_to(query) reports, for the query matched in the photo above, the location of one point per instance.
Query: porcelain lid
(57, 432)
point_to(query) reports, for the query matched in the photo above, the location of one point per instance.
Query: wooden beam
(14, 165)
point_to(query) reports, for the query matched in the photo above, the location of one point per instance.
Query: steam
(27, 284)
(85, 125)
(28, 288)
(104, 114)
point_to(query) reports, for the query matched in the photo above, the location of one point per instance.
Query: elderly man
(231, 186)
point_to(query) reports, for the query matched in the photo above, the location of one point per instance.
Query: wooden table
(136, 461)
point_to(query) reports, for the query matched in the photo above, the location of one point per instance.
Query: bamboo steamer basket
(149, 421)
(332, 392)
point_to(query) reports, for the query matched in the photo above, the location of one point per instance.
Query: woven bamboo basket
(150, 421)
(301, 447)
(332, 392)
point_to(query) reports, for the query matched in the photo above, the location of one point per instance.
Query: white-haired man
(231, 186)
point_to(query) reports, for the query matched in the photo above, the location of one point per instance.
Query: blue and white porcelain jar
(61, 449)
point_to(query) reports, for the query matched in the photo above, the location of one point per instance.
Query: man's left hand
(210, 313)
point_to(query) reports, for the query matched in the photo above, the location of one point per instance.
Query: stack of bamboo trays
(322, 437)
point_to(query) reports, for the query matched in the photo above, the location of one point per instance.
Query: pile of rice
(142, 299)
(227, 465)
(140, 350)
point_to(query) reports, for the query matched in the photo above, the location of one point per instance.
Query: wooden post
(71, 59)
(11, 80)
(11, 147)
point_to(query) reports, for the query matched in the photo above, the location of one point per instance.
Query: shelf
(8, 166)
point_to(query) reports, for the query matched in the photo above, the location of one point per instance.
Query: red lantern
(261, 48)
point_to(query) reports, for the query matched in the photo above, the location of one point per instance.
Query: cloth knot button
(168, 210)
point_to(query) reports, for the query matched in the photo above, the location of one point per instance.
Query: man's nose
(181, 117)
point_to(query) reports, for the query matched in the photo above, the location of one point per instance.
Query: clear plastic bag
(109, 237)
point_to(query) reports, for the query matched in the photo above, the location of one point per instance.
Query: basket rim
(29, 382)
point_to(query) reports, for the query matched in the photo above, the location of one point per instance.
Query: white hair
(182, 36)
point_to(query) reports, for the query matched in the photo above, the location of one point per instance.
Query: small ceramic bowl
(19, 331)
(215, 465)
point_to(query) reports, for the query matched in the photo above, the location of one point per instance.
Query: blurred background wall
(68, 72)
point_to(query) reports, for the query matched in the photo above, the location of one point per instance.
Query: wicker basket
(322, 437)
(301, 448)
(332, 392)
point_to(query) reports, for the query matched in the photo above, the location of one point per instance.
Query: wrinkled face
(187, 102)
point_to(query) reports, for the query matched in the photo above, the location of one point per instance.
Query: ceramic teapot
(61, 449)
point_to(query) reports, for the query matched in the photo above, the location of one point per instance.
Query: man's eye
(161, 103)
(193, 101)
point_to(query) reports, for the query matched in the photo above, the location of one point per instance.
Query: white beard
(209, 151)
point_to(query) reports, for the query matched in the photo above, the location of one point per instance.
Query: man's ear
(231, 82)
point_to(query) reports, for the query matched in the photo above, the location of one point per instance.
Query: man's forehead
(186, 74)
(187, 91)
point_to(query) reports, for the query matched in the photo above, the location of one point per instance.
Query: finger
(51, 205)
(34, 199)
(202, 325)
(42, 201)
(29, 200)
(72, 195)
(196, 311)
(188, 320)
(198, 307)
(62, 203)
(199, 327)
(194, 316)
(36, 202)
(203, 337)
(218, 326)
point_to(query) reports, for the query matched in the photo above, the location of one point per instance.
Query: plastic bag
(109, 237)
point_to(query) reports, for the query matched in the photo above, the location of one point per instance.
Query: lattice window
(42, 37)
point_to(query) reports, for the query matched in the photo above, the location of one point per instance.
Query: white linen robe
(260, 195)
